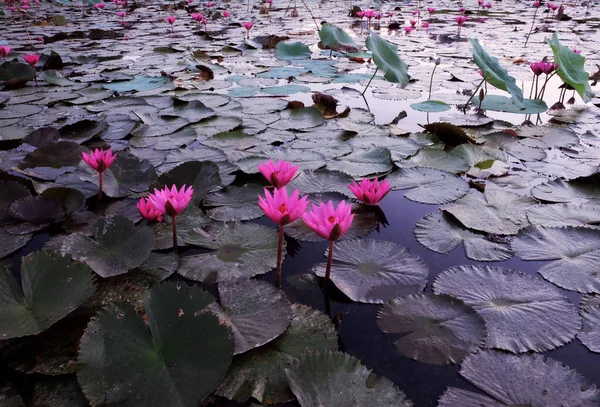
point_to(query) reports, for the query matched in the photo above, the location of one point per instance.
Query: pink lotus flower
(121, 14)
(535, 68)
(415, 12)
(226, 13)
(370, 192)
(98, 6)
(360, 14)
(377, 16)
(536, 4)
(369, 14)
(413, 23)
(197, 17)
(12, 8)
(32, 59)
(4, 51)
(41, 39)
(431, 10)
(389, 14)
(409, 29)
(25, 7)
(278, 174)
(425, 24)
(462, 10)
(209, 4)
(460, 20)
(248, 25)
(328, 222)
(282, 209)
(148, 211)
(170, 19)
(548, 67)
(487, 5)
(99, 160)
(172, 202)
(577, 51)
(480, 2)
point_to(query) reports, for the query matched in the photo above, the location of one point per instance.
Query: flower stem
(473, 95)
(431, 81)
(367, 87)
(279, 257)
(175, 232)
(100, 187)
(329, 261)
(531, 29)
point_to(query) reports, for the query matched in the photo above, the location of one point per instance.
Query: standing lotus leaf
(260, 373)
(256, 312)
(438, 329)
(52, 287)
(332, 379)
(176, 359)
(336, 39)
(375, 271)
(118, 246)
(385, 56)
(526, 380)
(522, 313)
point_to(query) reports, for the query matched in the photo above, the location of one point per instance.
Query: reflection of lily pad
(256, 312)
(437, 329)
(238, 250)
(375, 271)
(527, 380)
(176, 360)
(260, 373)
(521, 312)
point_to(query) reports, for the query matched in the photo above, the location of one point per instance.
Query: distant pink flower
(409, 29)
(197, 17)
(389, 14)
(99, 6)
(171, 201)
(431, 10)
(41, 39)
(248, 25)
(31, 59)
(278, 174)
(270, 2)
(462, 10)
(25, 7)
(577, 51)
(377, 16)
(209, 4)
(171, 19)
(370, 192)
(360, 14)
(487, 5)
(328, 222)
(413, 23)
(121, 14)
(12, 8)
(225, 13)
(415, 12)
(4, 51)
(424, 24)
(281, 208)
(99, 160)
(480, 2)
(548, 67)
(536, 4)
(148, 211)
(460, 20)
(480, 72)
(369, 14)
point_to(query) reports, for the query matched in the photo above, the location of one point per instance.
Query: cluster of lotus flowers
(24, 6)
(541, 67)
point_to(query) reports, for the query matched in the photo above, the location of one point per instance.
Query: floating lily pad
(429, 185)
(433, 106)
(575, 249)
(118, 246)
(579, 190)
(239, 250)
(37, 210)
(438, 329)
(182, 352)
(527, 380)
(52, 287)
(292, 50)
(441, 233)
(56, 155)
(260, 373)
(375, 271)
(590, 331)
(360, 163)
(450, 161)
(565, 214)
(235, 203)
(500, 212)
(299, 119)
(256, 312)
(10, 243)
(54, 77)
(522, 313)
(311, 182)
(203, 176)
(335, 378)
(499, 103)
(138, 84)
(192, 217)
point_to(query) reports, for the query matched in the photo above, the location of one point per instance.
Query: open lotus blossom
(148, 211)
(535, 68)
(413, 23)
(431, 10)
(480, 2)
(330, 223)
(369, 14)
(31, 59)
(4, 51)
(548, 67)
(370, 192)
(99, 160)
(278, 174)
(225, 13)
(248, 25)
(171, 21)
(172, 202)
(552, 6)
(98, 6)
(282, 209)
(425, 24)
(360, 14)
(409, 29)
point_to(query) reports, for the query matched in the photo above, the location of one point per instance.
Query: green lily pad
(337, 379)
(260, 373)
(203, 176)
(576, 191)
(363, 162)
(54, 77)
(571, 68)
(238, 250)
(127, 174)
(333, 37)
(299, 119)
(574, 249)
(138, 84)
(385, 56)
(192, 217)
(429, 185)
(432, 106)
(10, 243)
(292, 50)
(311, 182)
(118, 246)
(527, 380)
(256, 312)
(522, 313)
(495, 75)
(52, 287)
(375, 271)
(565, 214)
(182, 352)
(235, 203)
(12, 71)
(437, 328)
(499, 103)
